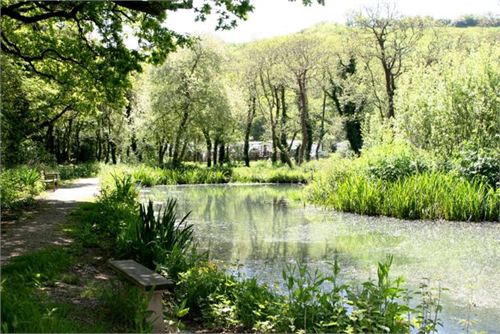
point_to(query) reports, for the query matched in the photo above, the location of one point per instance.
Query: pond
(254, 230)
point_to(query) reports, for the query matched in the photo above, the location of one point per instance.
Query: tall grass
(269, 174)
(432, 195)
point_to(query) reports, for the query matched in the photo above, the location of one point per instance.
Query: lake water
(256, 229)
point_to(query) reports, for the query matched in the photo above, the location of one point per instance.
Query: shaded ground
(42, 227)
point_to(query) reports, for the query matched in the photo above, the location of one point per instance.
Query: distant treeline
(489, 20)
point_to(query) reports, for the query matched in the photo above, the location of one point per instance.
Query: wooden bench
(51, 178)
(149, 281)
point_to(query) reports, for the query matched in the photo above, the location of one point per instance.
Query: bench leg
(156, 317)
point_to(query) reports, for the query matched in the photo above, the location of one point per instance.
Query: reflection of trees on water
(279, 247)
(220, 226)
(252, 228)
(303, 244)
(207, 217)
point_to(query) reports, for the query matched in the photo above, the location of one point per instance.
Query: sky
(279, 17)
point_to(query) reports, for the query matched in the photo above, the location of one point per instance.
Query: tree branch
(13, 12)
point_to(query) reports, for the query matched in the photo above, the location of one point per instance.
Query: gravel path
(43, 229)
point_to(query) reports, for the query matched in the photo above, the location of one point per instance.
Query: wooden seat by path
(51, 177)
(148, 280)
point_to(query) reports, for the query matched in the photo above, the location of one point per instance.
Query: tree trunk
(208, 141)
(216, 145)
(67, 141)
(390, 88)
(305, 122)
(322, 126)
(161, 152)
(180, 133)
(49, 139)
(222, 153)
(248, 129)
(112, 146)
(99, 144)
(183, 151)
(76, 151)
(283, 135)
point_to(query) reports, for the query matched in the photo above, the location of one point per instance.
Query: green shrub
(116, 208)
(67, 172)
(393, 161)
(480, 164)
(126, 306)
(307, 303)
(265, 173)
(19, 186)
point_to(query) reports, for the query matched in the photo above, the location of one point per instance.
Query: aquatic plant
(433, 195)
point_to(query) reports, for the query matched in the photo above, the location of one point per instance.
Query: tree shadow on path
(44, 228)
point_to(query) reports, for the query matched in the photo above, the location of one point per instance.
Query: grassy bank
(260, 172)
(402, 182)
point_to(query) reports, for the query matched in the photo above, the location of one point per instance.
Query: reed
(433, 195)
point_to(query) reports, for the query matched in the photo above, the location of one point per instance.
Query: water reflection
(255, 230)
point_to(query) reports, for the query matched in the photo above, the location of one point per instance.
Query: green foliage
(400, 181)
(452, 102)
(310, 302)
(126, 306)
(390, 162)
(195, 174)
(421, 196)
(151, 238)
(480, 164)
(29, 306)
(102, 223)
(19, 186)
(24, 306)
(266, 174)
(71, 171)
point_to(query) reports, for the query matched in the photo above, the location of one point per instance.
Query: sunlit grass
(420, 196)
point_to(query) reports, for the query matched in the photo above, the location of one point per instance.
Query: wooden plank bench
(150, 281)
(51, 178)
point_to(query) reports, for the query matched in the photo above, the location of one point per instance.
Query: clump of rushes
(432, 195)
(154, 236)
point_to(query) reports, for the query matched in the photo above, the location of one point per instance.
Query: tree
(341, 88)
(247, 74)
(301, 57)
(188, 98)
(89, 35)
(76, 56)
(394, 38)
(271, 89)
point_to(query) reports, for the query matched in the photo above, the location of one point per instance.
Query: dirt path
(43, 229)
